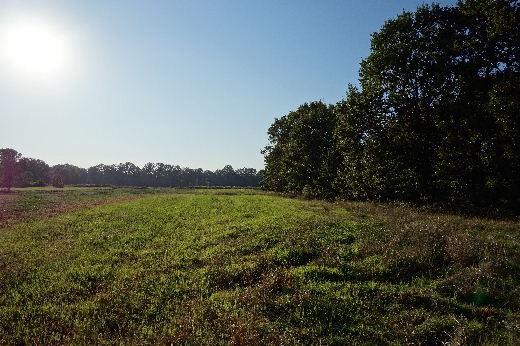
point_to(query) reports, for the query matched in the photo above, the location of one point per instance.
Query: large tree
(362, 174)
(406, 83)
(301, 156)
(436, 117)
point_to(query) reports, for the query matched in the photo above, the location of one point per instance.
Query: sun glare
(35, 50)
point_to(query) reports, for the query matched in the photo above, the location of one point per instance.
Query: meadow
(126, 266)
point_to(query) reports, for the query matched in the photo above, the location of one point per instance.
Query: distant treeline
(18, 171)
(435, 119)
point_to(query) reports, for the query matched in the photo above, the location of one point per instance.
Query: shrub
(57, 181)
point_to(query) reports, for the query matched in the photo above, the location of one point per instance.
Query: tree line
(435, 118)
(18, 171)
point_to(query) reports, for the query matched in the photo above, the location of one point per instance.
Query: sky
(191, 83)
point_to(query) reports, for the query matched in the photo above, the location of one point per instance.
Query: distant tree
(9, 166)
(17, 171)
(57, 181)
(33, 172)
(128, 174)
(191, 177)
(174, 175)
(70, 174)
(226, 176)
(165, 175)
(148, 173)
(247, 177)
(95, 175)
(109, 174)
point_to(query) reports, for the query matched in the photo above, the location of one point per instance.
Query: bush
(57, 181)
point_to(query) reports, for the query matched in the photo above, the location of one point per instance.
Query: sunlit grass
(241, 267)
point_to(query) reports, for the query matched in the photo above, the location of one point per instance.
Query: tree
(9, 166)
(33, 172)
(70, 174)
(128, 174)
(57, 181)
(226, 176)
(95, 175)
(492, 90)
(407, 82)
(435, 119)
(362, 173)
(247, 177)
(301, 156)
(148, 172)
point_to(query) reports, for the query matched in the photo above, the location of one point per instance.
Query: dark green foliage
(435, 119)
(300, 158)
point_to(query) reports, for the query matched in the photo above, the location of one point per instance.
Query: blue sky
(190, 83)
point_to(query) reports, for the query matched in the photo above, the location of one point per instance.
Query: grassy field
(241, 267)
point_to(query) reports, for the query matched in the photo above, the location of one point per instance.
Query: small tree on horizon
(9, 166)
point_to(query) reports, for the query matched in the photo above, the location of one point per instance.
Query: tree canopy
(435, 118)
(300, 156)
(18, 171)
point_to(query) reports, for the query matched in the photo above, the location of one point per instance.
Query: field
(100, 266)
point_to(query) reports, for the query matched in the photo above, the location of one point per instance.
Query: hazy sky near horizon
(192, 83)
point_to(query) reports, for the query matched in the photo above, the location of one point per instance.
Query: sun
(35, 50)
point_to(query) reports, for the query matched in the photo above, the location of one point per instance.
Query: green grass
(240, 267)
(29, 204)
